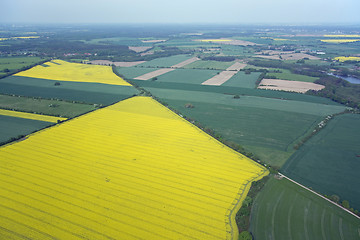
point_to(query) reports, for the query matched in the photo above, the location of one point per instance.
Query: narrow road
(282, 175)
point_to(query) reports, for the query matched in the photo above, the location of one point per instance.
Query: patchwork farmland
(165, 133)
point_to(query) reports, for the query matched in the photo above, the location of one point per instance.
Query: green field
(230, 50)
(44, 106)
(133, 72)
(267, 127)
(165, 61)
(209, 65)
(329, 162)
(287, 75)
(127, 41)
(13, 127)
(192, 76)
(16, 63)
(93, 93)
(243, 80)
(237, 91)
(284, 210)
(315, 109)
(268, 134)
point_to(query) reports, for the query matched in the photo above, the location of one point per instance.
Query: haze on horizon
(181, 11)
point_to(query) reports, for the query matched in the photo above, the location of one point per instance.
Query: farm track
(319, 195)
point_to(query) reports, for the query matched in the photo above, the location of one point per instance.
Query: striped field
(134, 170)
(32, 116)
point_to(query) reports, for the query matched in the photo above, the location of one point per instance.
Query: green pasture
(267, 127)
(285, 211)
(44, 106)
(133, 72)
(93, 93)
(273, 132)
(12, 127)
(12, 64)
(209, 65)
(243, 80)
(192, 76)
(165, 61)
(316, 109)
(83, 86)
(329, 162)
(231, 50)
(287, 75)
(311, 62)
(236, 91)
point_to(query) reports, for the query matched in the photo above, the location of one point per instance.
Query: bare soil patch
(186, 62)
(290, 86)
(236, 66)
(287, 56)
(298, 56)
(139, 49)
(220, 78)
(155, 73)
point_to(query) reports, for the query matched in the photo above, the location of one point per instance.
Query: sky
(181, 11)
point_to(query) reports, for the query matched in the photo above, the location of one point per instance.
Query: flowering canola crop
(28, 37)
(339, 40)
(343, 59)
(32, 116)
(134, 170)
(74, 72)
(344, 36)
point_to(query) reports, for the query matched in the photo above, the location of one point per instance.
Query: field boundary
(312, 191)
(238, 201)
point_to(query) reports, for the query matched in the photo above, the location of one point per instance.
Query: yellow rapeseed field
(344, 36)
(339, 40)
(343, 58)
(75, 72)
(28, 37)
(133, 170)
(32, 116)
